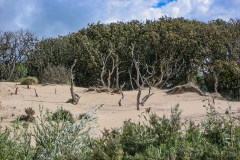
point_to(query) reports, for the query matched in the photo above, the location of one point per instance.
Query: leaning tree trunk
(75, 97)
(216, 82)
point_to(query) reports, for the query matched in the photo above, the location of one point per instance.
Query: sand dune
(110, 115)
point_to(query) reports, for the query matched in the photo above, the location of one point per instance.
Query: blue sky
(50, 18)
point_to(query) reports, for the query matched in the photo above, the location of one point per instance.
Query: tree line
(163, 53)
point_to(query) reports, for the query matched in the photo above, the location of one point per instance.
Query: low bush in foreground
(29, 81)
(216, 137)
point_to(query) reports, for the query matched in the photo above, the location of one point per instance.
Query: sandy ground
(110, 115)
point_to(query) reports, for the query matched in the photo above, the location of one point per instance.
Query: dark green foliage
(19, 72)
(201, 82)
(174, 49)
(63, 114)
(69, 100)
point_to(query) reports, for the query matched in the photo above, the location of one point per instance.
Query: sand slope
(110, 115)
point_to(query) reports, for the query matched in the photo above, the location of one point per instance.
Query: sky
(51, 18)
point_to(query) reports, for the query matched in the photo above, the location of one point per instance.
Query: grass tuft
(29, 81)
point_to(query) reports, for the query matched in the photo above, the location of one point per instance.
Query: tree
(15, 47)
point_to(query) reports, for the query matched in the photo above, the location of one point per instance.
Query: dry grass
(29, 81)
(190, 87)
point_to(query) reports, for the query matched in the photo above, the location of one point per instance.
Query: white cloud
(59, 17)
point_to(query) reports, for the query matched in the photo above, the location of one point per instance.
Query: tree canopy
(169, 52)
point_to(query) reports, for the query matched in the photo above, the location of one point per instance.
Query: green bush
(216, 137)
(15, 143)
(63, 114)
(29, 115)
(82, 116)
(19, 72)
(61, 139)
(29, 81)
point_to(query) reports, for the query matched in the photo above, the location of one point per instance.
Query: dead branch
(36, 92)
(190, 87)
(143, 79)
(129, 71)
(96, 89)
(147, 110)
(146, 97)
(150, 75)
(16, 91)
(75, 97)
(120, 89)
(111, 72)
(117, 72)
(168, 69)
(55, 91)
(104, 61)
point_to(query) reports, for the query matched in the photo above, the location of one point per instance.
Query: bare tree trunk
(16, 91)
(11, 71)
(131, 79)
(111, 72)
(216, 82)
(143, 79)
(146, 97)
(117, 74)
(138, 97)
(75, 97)
(36, 92)
(109, 79)
(138, 75)
(120, 101)
(160, 81)
(102, 74)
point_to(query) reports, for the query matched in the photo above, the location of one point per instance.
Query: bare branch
(120, 101)
(146, 97)
(104, 61)
(16, 91)
(36, 92)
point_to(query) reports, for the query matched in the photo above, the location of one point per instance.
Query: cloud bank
(50, 18)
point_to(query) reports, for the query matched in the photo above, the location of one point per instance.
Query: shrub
(29, 117)
(55, 75)
(29, 81)
(82, 116)
(61, 139)
(63, 114)
(70, 100)
(216, 137)
(17, 145)
(29, 111)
